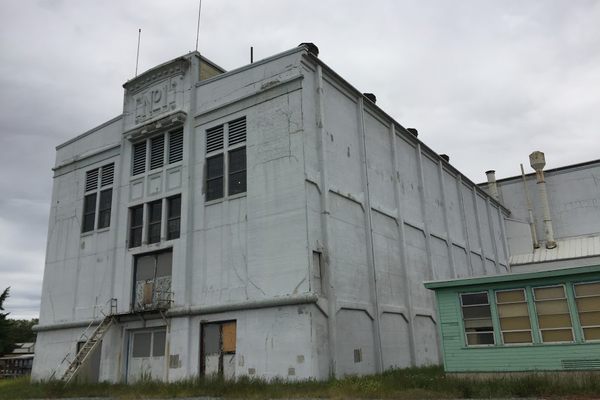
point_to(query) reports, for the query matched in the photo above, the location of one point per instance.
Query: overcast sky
(486, 82)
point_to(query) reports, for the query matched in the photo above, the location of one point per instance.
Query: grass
(410, 383)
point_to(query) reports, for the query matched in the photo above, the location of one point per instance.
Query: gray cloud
(484, 81)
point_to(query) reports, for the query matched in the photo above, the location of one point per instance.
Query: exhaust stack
(537, 162)
(492, 186)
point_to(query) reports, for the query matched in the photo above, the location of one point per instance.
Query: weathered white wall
(395, 216)
(326, 172)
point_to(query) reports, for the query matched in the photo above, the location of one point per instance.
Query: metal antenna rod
(137, 58)
(198, 28)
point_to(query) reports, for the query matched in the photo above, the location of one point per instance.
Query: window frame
(526, 303)
(575, 297)
(97, 191)
(170, 218)
(131, 227)
(464, 328)
(151, 221)
(225, 151)
(566, 299)
(166, 152)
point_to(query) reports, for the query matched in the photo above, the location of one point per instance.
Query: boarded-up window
(477, 318)
(514, 316)
(153, 280)
(588, 306)
(218, 349)
(229, 335)
(553, 315)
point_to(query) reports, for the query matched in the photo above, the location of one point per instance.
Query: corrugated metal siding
(577, 247)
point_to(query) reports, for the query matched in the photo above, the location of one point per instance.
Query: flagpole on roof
(198, 27)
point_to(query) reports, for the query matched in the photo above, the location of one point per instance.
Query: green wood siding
(523, 357)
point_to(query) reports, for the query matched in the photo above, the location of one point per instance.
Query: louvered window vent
(214, 138)
(91, 180)
(237, 131)
(108, 174)
(139, 159)
(582, 364)
(157, 151)
(175, 146)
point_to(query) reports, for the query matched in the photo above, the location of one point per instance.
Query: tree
(5, 339)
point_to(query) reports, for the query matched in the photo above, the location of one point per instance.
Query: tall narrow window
(588, 306)
(104, 208)
(136, 223)
(477, 318)
(553, 314)
(154, 219)
(89, 212)
(514, 316)
(226, 159)
(173, 217)
(98, 184)
(214, 177)
(237, 171)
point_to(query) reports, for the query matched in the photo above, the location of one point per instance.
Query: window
(159, 154)
(514, 316)
(553, 314)
(98, 185)
(152, 287)
(226, 160)
(173, 217)
(477, 318)
(149, 344)
(136, 223)
(587, 298)
(154, 219)
(218, 347)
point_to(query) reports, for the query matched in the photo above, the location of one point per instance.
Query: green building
(536, 321)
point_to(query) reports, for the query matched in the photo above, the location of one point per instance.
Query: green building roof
(523, 276)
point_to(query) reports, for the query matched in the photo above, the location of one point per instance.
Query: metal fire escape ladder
(90, 344)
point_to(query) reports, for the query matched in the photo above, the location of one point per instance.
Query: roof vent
(311, 47)
(445, 157)
(371, 97)
(414, 131)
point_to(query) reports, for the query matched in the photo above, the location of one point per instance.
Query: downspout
(537, 162)
(536, 244)
(324, 182)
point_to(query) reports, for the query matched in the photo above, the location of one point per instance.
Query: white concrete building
(269, 221)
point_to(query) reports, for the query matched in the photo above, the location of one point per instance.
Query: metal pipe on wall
(536, 244)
